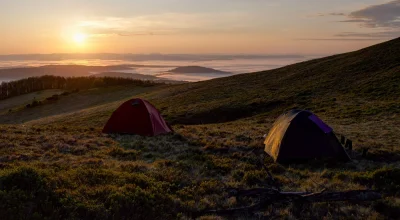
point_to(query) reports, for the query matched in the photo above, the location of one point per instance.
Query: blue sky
(189, 26)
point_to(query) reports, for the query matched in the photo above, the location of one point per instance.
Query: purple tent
(300, 135)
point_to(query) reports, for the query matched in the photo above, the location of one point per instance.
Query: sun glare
(79, 38)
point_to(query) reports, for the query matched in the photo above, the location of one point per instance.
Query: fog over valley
(154, 64)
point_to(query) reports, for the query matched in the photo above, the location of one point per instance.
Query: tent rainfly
(300, 135)
(137, 116)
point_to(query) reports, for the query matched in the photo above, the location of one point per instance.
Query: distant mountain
(197, 70)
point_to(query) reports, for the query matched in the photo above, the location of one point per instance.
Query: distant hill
(126, 75)
(63, 70)
(196, 70)
(56, 70)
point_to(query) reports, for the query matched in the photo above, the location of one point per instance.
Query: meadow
(56, 164)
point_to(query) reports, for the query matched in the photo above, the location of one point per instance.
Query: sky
(196, 27)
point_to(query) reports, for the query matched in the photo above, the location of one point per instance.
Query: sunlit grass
(58, 164)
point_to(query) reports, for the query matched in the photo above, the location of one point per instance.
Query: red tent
(137, 116)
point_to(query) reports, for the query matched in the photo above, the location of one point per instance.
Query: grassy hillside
(357, 84)
(59, 165)
(22, 100)
(72, 103)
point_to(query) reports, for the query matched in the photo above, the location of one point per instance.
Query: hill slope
(87, 174)
(356, 84)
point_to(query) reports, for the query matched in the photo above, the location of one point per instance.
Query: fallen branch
(269, 196)
(257, 192)
(353, 195)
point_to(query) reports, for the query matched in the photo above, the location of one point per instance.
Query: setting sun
(79, 38)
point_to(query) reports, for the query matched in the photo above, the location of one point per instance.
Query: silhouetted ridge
(196, 69)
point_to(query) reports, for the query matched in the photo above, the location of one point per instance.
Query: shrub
(24, 193)
(386, 179)
(122, 154)
(53, 98)
(276, 168)
(35, 103)
(134, 167)
(253, 177)
(132, 202)
(65, 93)
(238, 175)
(388, 208)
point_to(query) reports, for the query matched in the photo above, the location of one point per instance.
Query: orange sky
(177, 26)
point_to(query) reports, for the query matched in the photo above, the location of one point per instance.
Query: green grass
(16, 103)
(58, 164)
(73, 102)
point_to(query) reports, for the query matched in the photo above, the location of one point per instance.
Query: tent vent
(135, 103)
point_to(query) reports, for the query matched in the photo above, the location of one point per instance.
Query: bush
(53, 98)
(386, 179)
(388, 207)
(276, 168)
(65, 93)
(253, 177)
(35, 103)
(24, 193)
(132, 202)
(122, 154)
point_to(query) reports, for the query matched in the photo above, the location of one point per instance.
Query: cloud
(326, 14)
(110, 26)
(337, 14)
(338, 39)
(353, 21)
(380, 35)
(384, 15)
(357, 36)
(168, 24)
